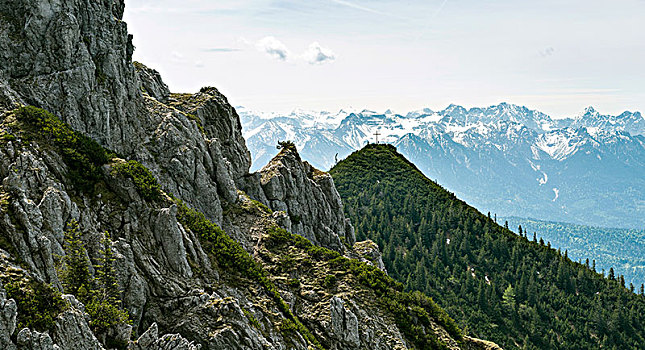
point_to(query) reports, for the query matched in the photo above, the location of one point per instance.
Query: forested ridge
(497, 285)
(622, 250)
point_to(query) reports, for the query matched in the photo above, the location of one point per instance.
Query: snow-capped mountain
(506, 159)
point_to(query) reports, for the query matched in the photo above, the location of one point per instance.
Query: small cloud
(274, 48)
(244, 41)
(199, 64)
(177, 57)
(222, 49)
(317, 54)
(314, 55)
(549, 51)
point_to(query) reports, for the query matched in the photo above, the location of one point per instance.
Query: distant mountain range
(506, 159)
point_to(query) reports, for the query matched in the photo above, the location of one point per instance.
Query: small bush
(261, 206)
(8, 137)
(105, 314)
(329, 281)
(287, 327)
(252, 320)
(82, 155)
(293, 282)
(295, 219)
(286, 145)
(38, 303)
(147, 185)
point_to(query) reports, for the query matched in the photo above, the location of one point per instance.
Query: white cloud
(274, 48)
(317, 54)
(549, 51)
(177, 57)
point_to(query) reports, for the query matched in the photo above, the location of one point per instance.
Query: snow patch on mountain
(497, 158)
(558, 145)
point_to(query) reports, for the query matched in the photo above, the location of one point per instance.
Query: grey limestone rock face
(369, 252)
(150, 340)
(310, 199)
(151, 82)
(74, 57)
(344, 324)
(8, 97)
(71, 331)
(8, 314)
(221, 122)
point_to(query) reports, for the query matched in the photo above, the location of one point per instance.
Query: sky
(279, 55)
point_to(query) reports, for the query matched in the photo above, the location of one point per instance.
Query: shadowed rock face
(73, 58)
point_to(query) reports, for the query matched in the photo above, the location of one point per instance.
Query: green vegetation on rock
(497, 285)
(82, 155)
(230, 256)
(146, 184)
(75, 271)
(100, 293)
(38, 303)
(413, 312)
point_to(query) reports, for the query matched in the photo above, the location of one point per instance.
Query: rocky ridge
(73, 58)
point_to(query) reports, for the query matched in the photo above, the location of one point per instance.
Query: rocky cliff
(205, 254)
(310, 199)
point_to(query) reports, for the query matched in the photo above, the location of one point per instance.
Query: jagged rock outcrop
(309, 198)
(151, 82)
(73, 58)
(368, 251)
(8, 314)
(150, 340)
(344, 323)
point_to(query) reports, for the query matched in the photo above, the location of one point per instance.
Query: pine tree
(534, 237)
(519, 229)
(642, 288)
(100, 294)
(508, 298)
(106, 282)
(75, 274)
(104, 307)
(611, 274)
